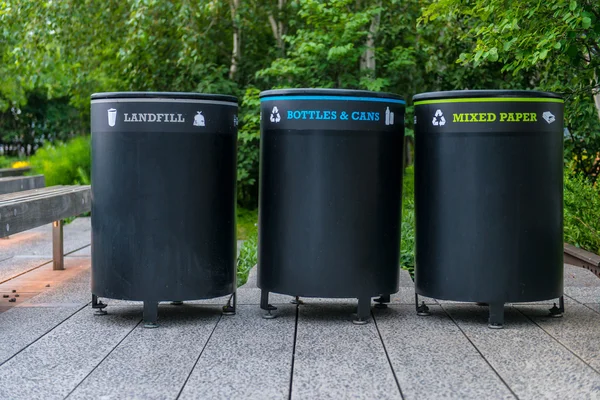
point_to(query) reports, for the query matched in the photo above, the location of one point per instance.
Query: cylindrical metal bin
(330, 194)
(163, 197)
(488, 197)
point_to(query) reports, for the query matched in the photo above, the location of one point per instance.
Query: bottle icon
(389, 117)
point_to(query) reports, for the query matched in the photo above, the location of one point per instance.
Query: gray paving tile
(252, 278)
(76, 290)
(38, 241)
(153, 363)
(85, 252)
(405, 279)
(584, 294)
(578, 329)
(594, 307)
(433, 359)
(580, 277)
(247, 358)
(18, 264)
(246, 296)
(55, 364)
(548, 303)
(531, 363)
(20, 326)
(336, 359)
(252, 296)
(406, 295)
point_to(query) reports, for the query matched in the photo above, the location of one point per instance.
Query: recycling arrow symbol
(275, 117)
(438, 119)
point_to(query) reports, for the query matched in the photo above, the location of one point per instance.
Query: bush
(407, 243)
(64, 163)
(7, 162)
(23, 129)
(248, 151)
(247, 259)
(581, 212)
(247, 221)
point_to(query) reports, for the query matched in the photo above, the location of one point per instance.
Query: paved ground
(53, 347)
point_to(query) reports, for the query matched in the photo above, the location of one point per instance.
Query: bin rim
(329, 94)
(478, 95)
(164, 95)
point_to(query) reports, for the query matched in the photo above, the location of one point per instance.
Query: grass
(407, 243)
(247, 230)
(247, 223)
(7, 162)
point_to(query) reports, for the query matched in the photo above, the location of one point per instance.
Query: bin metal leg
(557, 312)
(496, 318)
(98, 306)
(229, 308)
(150, 314)
(363, 311)
(422, 309)
(58, 263)
(264, 304)
(382, 301)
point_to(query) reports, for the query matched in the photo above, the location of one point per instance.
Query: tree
(557, 43)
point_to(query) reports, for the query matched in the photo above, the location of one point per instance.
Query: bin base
(150, 314)
(422, 309)
(496, 311)
(496, 316)
(229, 308)
(264, 304)
(382, 301)
(557, 312)
(98, 306)
(360, 318)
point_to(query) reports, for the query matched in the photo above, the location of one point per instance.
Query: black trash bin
(163, 197)
(488, 197)
(330, 194)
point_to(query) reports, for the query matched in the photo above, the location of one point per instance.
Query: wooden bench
(13, 184)
(582, 258)
(4, 172)
(29, 209)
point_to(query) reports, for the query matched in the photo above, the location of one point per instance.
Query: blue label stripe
(339, 98)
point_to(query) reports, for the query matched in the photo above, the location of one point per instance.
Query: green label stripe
(493, 100)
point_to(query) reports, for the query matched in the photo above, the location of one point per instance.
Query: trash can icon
(112, 116)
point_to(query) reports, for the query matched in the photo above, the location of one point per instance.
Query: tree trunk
(278, 28)
(367, 60)
(596, 93)
(236, 53)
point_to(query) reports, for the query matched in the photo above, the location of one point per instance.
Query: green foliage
(407, 243)
(247, 259)
(74, 48)
(247, 223)
(39, 121)
(248, 151)
(64, 163)
(325, 48)
(6, 162)
(581, 212)
(555, 43)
